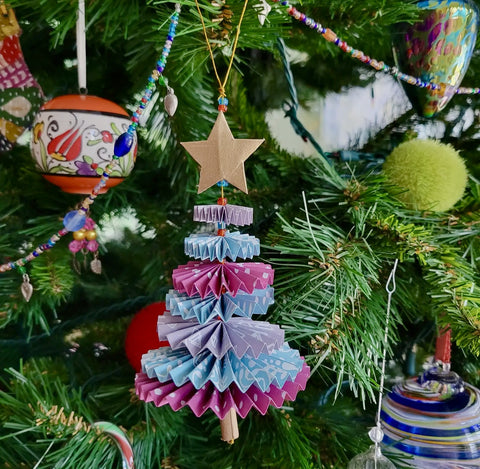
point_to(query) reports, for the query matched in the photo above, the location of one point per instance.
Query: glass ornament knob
(371, 459)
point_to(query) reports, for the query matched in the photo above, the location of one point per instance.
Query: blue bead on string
(123, 144)
(74, 220)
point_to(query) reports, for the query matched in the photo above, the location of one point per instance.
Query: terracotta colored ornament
(142, 334)
(73, 140)
(437, 49)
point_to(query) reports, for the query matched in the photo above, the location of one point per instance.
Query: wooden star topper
(221, 156)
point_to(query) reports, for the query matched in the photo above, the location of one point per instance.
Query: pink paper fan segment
(219, 358)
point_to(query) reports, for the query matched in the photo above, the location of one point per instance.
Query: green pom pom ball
(432, 174)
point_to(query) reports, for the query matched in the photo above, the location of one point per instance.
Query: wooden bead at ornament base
(73, 142)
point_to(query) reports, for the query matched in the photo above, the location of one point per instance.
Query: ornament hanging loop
(391, 285)
(81, 48)
(376, 434)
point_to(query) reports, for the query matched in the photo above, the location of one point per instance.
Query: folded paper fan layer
(204, 309)
(216, 278)
(228, 214)
(178, 365)
(212, 247)
(241, 335)
(208, 397)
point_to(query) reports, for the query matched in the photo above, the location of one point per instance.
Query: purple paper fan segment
(219, 358)
(228, 214)
(241, 335)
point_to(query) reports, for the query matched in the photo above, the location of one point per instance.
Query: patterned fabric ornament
(221, 403)
(437, 49)
(20, 94)
(228, 214)
(216, 278)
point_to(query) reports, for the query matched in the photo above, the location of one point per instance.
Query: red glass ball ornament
(142, 334)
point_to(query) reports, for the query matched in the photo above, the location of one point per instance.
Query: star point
(221, 156)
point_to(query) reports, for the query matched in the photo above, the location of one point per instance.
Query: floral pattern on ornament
(78, 143)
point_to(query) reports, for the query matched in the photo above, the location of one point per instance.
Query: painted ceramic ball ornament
(73, 140)
(428, 175)
(437, 49)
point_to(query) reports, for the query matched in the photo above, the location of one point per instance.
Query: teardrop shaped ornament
(26, 288)
(170, 102)
(96, 266)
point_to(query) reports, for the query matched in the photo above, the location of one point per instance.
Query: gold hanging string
(221, 84)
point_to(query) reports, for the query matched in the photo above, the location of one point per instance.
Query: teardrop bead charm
(26, 288)
(170, 102)
(96, 265)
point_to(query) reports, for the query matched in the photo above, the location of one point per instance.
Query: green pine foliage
(332, 231)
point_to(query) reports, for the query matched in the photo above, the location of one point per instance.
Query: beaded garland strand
(331, 36)
(75, 219)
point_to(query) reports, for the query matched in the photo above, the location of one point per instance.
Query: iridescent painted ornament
(436, 49)
(74, 138)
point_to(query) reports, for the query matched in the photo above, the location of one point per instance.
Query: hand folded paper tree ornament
(218, 357)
